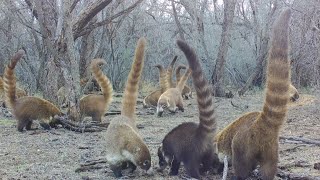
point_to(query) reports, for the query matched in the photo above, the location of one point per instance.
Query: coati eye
(146, 163)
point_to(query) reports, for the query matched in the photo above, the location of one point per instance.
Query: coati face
(144, 158)
(163, 103)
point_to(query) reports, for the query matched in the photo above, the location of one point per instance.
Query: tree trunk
(218, 73)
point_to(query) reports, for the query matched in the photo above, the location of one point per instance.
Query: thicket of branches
(231, 38)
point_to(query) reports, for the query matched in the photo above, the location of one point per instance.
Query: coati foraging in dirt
(252, 139)
(189, 142)
(27, 108)
(186, 91)
(124, 145)
(171, 99)
(293, 93)
(95, 105)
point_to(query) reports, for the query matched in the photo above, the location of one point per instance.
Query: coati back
(27, 108)
(152, 99)
(95, 105)
(253, 139)
(293, 93)
(189, 142)
(186, 91)
(124, 145)
(169, 82)
(171, 99)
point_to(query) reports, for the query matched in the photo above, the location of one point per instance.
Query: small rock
(317, 166)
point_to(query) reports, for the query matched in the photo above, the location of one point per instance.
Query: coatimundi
(169, 82)
(192, 143)
(92, 88)
(19, 93)
(124, 145)
(95, 105)
(186, 91)
(252, 139)
(26, 108)
(293, 93)
(162, 77)
(172, 99)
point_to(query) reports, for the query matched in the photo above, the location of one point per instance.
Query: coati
(92, 88)
(186, 91)
(293, 93)
(189, 142)
(252, 139)
(124, 145)
(27, 108)
(169, 82)
(95, 105)
(19, 92)
(162, 77)
(171, 99)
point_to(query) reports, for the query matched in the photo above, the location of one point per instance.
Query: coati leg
(192, 168)
(29, 124)
(180, 104)
(116, 169)
(242, 164)
(175, 165)
(268, 166)
(22, 123)
(96, 118)
(162, 160)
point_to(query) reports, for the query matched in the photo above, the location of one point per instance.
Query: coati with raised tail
(172, 99)
(152, 98)
(19, 93)
(27, 108)
(186, 91)
(252, 139)
(124, 145)
(192, 143)
(169, 82)
(95, 105)
(293, 93)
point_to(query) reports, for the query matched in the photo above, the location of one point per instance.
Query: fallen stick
(225, 168)
(304, 140)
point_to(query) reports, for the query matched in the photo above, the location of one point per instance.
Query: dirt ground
(58, 153)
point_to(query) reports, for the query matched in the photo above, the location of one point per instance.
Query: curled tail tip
(282, 22)
(173, 61)
(142, 42)
(16, 57)
(97, 62)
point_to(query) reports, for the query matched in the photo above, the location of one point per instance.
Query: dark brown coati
(192, 143)
(253, 139)
(124, 145)
(26, 108)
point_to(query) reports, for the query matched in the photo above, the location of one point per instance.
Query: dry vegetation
(60, 153)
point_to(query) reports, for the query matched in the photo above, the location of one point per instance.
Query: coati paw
(45, 126)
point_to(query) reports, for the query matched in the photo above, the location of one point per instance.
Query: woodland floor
(58, 153)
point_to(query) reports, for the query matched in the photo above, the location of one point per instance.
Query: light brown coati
(162, 77)
(172, 99)
(124, 145)
(27, 108)
(95, 105)
(293, 93)
(19, 93)
(252, 139)
(169, 82)
(186, 91)
(192, 143)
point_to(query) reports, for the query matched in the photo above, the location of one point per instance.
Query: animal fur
(169, 82)
(19, 93)
(124, 144)
(294, 94)
(186, 91)
(95, 105)
(162, 77)
(192, 143)
(152, 99)
(171, 99)
(27, 108)
(252, 139)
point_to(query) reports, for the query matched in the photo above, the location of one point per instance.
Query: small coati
(95, 105)
(186, 91)
(192, 143)
(293, 93)
(172, 99)
(252, 139)
(124, 145)
(26, 108)
(19, 93)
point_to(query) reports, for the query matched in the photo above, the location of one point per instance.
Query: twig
(304, 140)
(225, 168)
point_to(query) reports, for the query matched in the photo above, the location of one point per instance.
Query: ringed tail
(203, 90)
(10, 79)
(162, 77)
(278, 73)
(102, 79)
(129, 100)
(169, 82)
(183, 80)
(178, 75)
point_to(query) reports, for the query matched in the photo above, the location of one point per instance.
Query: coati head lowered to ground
(192, 143)
(124, 145)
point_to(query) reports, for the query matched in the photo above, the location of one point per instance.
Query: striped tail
(102, 79)
(169, 82)
(278, 74)
(10, 79)
(203, 90)
(183, 80)
(162, 77)
(178, 75)
(129, 100)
